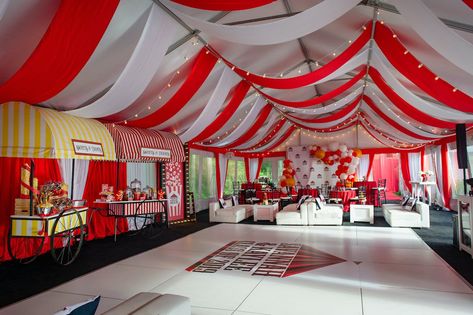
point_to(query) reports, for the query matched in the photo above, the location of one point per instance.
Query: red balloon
(338, 152)
(348, 159)
(293, 173)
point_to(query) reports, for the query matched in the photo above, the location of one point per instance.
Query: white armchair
(290, 215)
(399, 216)
(233, 214)
(328, 214)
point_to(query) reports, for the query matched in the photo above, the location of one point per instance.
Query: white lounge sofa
(232, 214)
(146, 303)
(328, 214)
(399, 216)
(290, 215)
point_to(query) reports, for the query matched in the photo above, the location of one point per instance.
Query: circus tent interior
(344, 125)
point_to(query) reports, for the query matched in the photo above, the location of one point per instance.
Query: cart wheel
(67, 237)
(18, 245)
(141, 220)
(155, 228)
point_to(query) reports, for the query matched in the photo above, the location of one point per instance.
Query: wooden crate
(22, 206)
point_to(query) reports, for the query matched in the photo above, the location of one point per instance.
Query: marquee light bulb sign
(336, 153)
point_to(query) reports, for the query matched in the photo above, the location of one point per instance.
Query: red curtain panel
(223, 5)
(67, 45)
(45, 170)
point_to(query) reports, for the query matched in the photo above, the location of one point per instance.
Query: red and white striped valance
(136, 144)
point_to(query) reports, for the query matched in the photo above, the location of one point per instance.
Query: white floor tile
(165, 258)
(117, 281)
(437, 278)
(50, 302)
(209, 311)
(392, 255)
(221, 290)
(394, 301)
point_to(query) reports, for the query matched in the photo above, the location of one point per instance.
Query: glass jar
(136, 185)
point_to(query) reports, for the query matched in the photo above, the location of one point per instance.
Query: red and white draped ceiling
(398, 80)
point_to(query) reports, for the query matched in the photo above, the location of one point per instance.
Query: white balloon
(343, 176)
(281, 178)
(343, 148)
(333, 146)
(346, 164)
(355, 159)
(324, 148)
(344, 154)
(350, 152)
(351, 169)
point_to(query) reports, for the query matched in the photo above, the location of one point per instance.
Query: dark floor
(21, 281)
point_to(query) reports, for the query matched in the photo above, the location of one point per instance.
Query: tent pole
(464, 181)
(72, 178)
(31, 186)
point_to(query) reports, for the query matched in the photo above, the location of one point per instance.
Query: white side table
(362, 213)
(262, 212)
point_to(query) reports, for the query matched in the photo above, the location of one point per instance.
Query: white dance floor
(338, 270)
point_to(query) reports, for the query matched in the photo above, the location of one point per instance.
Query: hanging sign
(156, 153)
(82, 147)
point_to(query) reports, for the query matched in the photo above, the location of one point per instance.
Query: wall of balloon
(313, 165)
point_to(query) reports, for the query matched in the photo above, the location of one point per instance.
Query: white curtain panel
(328, 124)
(363, 166)
(440, 37)
(81, 169)
(157, 35)
(273, 117)
(109, 58)
(222, 162)
(383, 125)
(327, 108)
(253, 169)
(144, 172)
(280, 31)
(227, 80)
(276, 137)
(414, 165)
(436, 156)
(3, 7)
(378, 61)
(245, 123)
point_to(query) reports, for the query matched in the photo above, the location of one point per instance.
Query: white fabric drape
(144, 172)
(3, 7)
(276, 137)
(445, 41)
(436, 162)
(227, 80)
(261, 133)
(280, 31)
(442, 112)
(140, 69)
(328, 124)
(414, 165)
(327, 108)
(222, 163)
(363, 166)
(81, 169)
(109, 58)
(253, 167)
(245, 124)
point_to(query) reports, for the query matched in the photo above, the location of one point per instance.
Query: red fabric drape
(238, 96)
(391, 122)
(447, 193)
(332, 117)
(404, 106)
(67, 45)
(247, 169)
(45, 170)
(223, 5)
(203, 65)
(322, 98)
(370, 165)
(422, 158)
(406, 174)
(258, 170)
(314, 76)
(262, 116)
(408, 65)
(103, 172)
(469, 3)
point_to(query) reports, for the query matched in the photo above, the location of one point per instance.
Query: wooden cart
(65, 231)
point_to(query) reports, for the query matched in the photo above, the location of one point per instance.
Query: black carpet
(21, 281)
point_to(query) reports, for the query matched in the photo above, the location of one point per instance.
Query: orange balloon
(291, 182)
(319, 154)
(357, 152)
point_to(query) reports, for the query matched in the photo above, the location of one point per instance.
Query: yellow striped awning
(29, 131)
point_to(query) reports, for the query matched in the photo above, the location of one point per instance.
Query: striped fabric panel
(24, 132)
(66, 127)
(129, 209)
(129, 141)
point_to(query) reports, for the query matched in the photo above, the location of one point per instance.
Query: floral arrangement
(425, 175)
(53, 195)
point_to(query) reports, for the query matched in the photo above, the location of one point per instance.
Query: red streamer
(201, 69)
(418, 73)
(238, 96)
(67, 45)
(268, 136)
(320, 99)
(223, 5)
(314, 76)
(404, 106)
(469, 3)
(406, 174)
